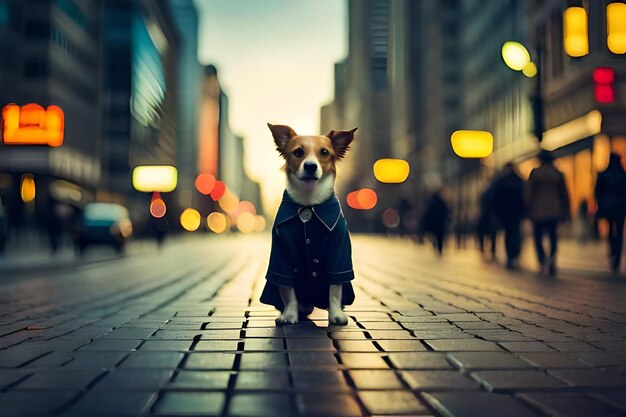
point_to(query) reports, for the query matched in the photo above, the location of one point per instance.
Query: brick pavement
(182, 333)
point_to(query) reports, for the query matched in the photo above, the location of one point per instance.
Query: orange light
(205, 183)
(32, 125)
(363, 199)
(259, 223)
(246, 222)
(28, 190)
(218, 190)
(217, 222)
(158, 208)
(246, 207)
(229, 202)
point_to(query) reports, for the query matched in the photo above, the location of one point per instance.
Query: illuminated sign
(32, 125)
(150, 178)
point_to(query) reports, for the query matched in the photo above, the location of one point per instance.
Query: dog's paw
(337, 318)
(288, 317)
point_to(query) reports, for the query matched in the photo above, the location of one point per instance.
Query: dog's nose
(310, 167)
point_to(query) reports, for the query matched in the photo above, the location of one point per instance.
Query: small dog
(311, 258)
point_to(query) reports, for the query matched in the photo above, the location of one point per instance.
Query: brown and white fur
(310, 165)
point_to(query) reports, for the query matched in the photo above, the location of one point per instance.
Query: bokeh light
(228, 202)
(27, 188)
(472, 143)
(190, 220)
(259, 223)
(246, 207)
(393, 171)
(158, 208)
(515, 55)
(363, 199)
(217, 222)
(218, 190)
(530, 70)
(616, 27)
(149, 178)
(205, 183)
(245, 222)
(32, 124)
(575, 33)
(391, 218)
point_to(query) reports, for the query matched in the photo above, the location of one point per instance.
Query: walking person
(487, 227)
(435, 219)
(611, 195)
(547, 201)
(508, 207)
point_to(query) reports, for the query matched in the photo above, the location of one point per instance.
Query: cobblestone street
(181, 332)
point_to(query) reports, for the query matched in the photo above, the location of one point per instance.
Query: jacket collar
(328, 212)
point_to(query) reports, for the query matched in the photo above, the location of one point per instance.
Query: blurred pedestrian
(583, 226)
(508, 207)
(548, 204)
(435, 219)
(611, 195)
(487, 227)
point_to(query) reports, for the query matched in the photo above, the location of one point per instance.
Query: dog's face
(309, 159)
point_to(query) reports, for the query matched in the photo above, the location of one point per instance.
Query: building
(51, 56)
(140, 106)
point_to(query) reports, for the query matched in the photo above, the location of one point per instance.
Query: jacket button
(316, 261)
(308, 241)
(314, 274)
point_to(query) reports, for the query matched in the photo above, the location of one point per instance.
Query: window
(36, 29)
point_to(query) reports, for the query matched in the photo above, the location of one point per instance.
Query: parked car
(104, 223)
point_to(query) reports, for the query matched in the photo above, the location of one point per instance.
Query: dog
(311, 257)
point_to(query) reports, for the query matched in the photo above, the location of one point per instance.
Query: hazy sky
(275, 62)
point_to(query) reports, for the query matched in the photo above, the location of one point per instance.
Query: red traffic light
(604, 89)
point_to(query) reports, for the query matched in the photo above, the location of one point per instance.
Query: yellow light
(515, 55)
(217, 222)
(229, 202)
(616, 27)
(150, 178)
(393, 171)
(190, 220)
(530, 70)
(575, 34)
(472, 143)
(245, 222)
(32, 125)
(27, 188)
(259, 223)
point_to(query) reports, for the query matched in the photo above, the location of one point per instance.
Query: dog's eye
(324, 152)
(298, 153)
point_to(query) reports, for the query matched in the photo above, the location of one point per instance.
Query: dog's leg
(290, 312)
(336, 316)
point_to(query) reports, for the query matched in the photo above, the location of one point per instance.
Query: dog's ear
(341, 140)
(282, 134)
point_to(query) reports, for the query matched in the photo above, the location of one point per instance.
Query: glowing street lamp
(151, 178)
(515, 55)
(575, 33)
(391, 171)
(616, 27)
(32, 125)
(472, 143)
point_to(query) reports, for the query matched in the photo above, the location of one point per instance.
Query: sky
(275, 61)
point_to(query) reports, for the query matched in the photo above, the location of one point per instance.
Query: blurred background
(185, 88)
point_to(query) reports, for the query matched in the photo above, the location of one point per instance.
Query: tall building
(140, 47)
(51, 56)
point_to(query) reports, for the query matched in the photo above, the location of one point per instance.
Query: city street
(180, 331)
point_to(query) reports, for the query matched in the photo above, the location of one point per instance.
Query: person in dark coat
(487, 227)
(611, 195)
(311, 249)
(435, 219)
(547, 202)
(508, 207)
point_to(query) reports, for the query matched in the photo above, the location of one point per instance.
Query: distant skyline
(275, 61)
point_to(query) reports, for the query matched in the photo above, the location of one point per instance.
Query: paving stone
(323, 343)
(375, 379)
(402, 345)
(262, 380)
(419, 360)
(477, 325)
(176, 335)
(26, 403)
(113, 344)
(264, 345)
(521, 380)
(103, 359)
(439, 381)
(317, 359)
(363, 360)
(602, 358)
(615, 398)
(312, 380)
(11, 376)
(210, 361)
(60, 379)
(382, 325)
(338, 405)
(105, 404)
(262, 405)
(526, 347)
(350, 335)
(200, 380)
(552, 360)
(572, 346)
(149, 359)
(130, 333)
(166, 345)
(500, 335)
(190, 403)
(276, 332)
(614, 346)
(134, 380)
(392, 402)
(486, 360)
(355, 346)
(457, 345)
(589, 377)
(263, 360)
(21, 354)
(483, 404)
(569, 405)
